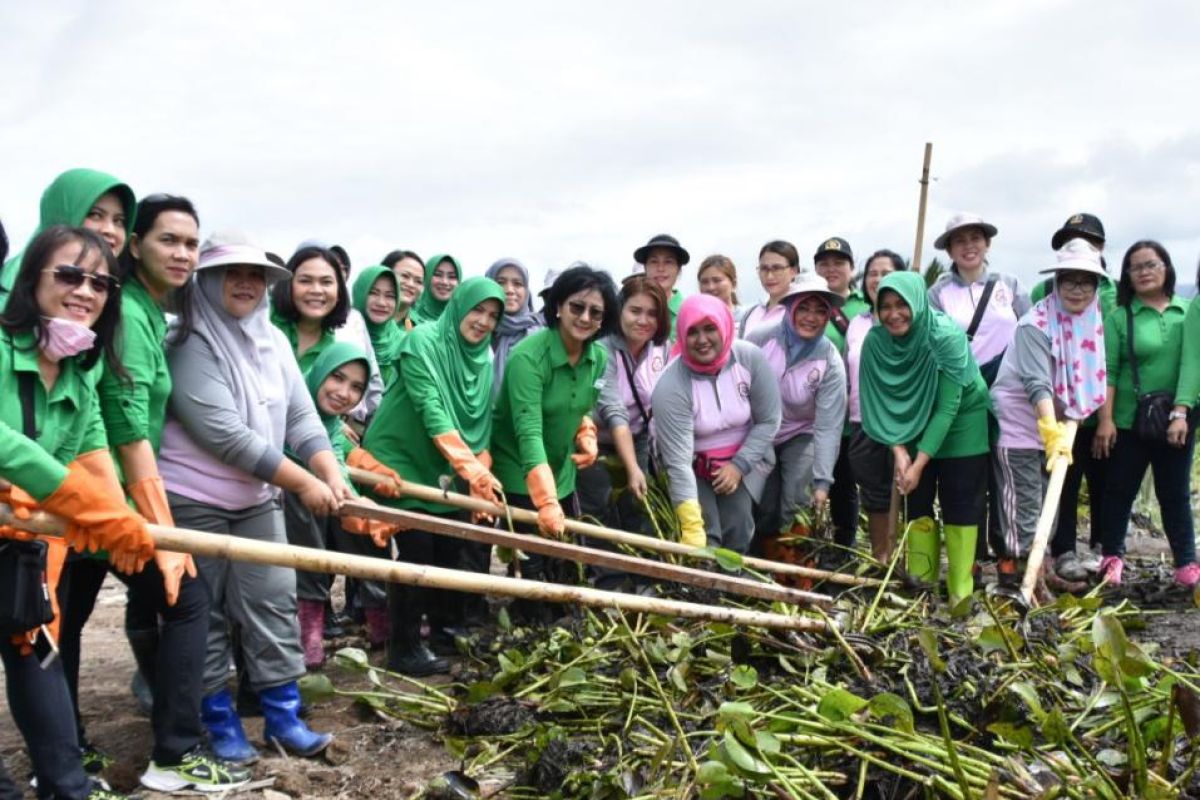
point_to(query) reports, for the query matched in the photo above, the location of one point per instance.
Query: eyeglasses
(1076, 285)
(73, 276)
(772, 269)
(1146, 266)
(583, 310)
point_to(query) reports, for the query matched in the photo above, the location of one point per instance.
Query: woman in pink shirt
(778, 266)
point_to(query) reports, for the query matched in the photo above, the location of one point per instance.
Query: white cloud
(553, 131)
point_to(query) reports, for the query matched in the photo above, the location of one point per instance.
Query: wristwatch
(1174, 415)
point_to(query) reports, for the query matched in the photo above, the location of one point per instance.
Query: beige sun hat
(963, 219)
(1077, 255)
(812, 283)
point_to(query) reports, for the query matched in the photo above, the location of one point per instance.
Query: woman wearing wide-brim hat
(812, 387)
(922, 395)
(238, 399)
(1053, 371)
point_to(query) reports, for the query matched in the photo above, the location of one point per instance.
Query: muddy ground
(384, 759)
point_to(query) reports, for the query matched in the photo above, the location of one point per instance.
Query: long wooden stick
(234, 548)
(916, 262)
(430, 495)
(586, 555)
(1045, 523)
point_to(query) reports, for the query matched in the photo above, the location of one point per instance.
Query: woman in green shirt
(62, 317)
(442, 275)
(1146, 295)
(922, 395)
(376, 293)
(543, 434)
(312, 305)
(436, 419)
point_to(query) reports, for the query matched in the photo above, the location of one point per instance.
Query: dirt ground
(384, 759)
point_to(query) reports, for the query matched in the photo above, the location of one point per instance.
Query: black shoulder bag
(637, 399)
(24, 589)
(1153, 412)
(991, 368)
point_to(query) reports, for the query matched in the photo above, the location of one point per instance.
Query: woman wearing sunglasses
(716, 413)
(238, 399)
(542, 434)
(62, 317)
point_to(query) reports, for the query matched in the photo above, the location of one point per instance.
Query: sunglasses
(584, 311)
(73, 276)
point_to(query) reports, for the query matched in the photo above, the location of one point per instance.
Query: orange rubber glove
(361, 459)
(377, 529)
(23, 506)
(585, 442)
(482, 482)
(544, 493)
(100, 519)
(150, 497)
(482, 517)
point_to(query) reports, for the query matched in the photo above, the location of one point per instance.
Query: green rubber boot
(924, 550)
(960, 553)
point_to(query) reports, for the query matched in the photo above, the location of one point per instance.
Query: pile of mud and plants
(899, 698)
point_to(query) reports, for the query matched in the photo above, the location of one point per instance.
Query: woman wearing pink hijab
(716, 411)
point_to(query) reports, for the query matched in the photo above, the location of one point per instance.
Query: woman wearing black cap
(663, 258)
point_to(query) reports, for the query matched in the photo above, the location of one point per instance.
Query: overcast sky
(555, 131)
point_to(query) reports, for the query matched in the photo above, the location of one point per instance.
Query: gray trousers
(305, 530)
(728, 518)
(1021, 481)
(789, 486)
(259, 599)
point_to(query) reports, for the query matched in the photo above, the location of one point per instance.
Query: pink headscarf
(697, 309)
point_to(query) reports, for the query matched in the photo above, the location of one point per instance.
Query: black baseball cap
(1086, 226)
(835, 245)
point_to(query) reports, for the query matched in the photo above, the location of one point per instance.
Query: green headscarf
(385, 336)
(898, 376)
(462, 371)
(67, 201)
(334, 356)
(428, 308)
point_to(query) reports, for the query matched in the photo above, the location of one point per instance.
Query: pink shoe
(378, 624)
(1188, 576)
(312, 624)
(1111, 568)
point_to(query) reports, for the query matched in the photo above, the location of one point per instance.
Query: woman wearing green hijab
(83, 198)
(437, 419)
(443, 273)
(375, 294)
(921, 391)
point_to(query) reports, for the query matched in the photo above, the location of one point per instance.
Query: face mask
(65, 338)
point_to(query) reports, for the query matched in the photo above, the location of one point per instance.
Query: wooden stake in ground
(429, 494)
(586, 555)
(234, 548)
(1045, 524)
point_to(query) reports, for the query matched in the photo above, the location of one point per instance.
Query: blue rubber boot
(225, 734)
(281, 707)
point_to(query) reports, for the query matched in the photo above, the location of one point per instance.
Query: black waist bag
(24, 590)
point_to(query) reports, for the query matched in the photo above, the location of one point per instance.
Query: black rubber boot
(406, 653)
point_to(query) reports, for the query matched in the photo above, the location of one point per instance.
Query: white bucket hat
(812, 283)
(225, 249)
(963, 219)
(1077, 255)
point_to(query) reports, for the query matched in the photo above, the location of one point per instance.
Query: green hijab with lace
(428, 308)
(898, 375)
(461, 370)
(387, 335)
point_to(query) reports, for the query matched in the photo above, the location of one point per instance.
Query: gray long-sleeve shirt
(674, 421)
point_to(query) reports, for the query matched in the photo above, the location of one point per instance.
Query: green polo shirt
(958, 426)
(1189, 375)
(1158, 344)
(135, 409)
(673, 304)
(855, 304)
(401, 433)
(293, 336)
(67, 419)
(540, 405)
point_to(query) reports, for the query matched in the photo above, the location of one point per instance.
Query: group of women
(243, 412)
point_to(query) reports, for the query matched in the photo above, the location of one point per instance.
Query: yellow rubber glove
(1054, 440)
(585, 443)
(361, 459)
(544, 493)
(691, 524)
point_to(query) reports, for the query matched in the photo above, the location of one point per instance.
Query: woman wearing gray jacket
(238, 398)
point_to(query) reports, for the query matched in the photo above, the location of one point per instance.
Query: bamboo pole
(234, 548)
(428, 494)
(572, 552)
(1045, 524)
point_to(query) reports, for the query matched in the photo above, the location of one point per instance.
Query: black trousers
(958, 484)
(843, 499)
(1172, 473)
(41, 706)
(179, 670)
(1096, 472)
